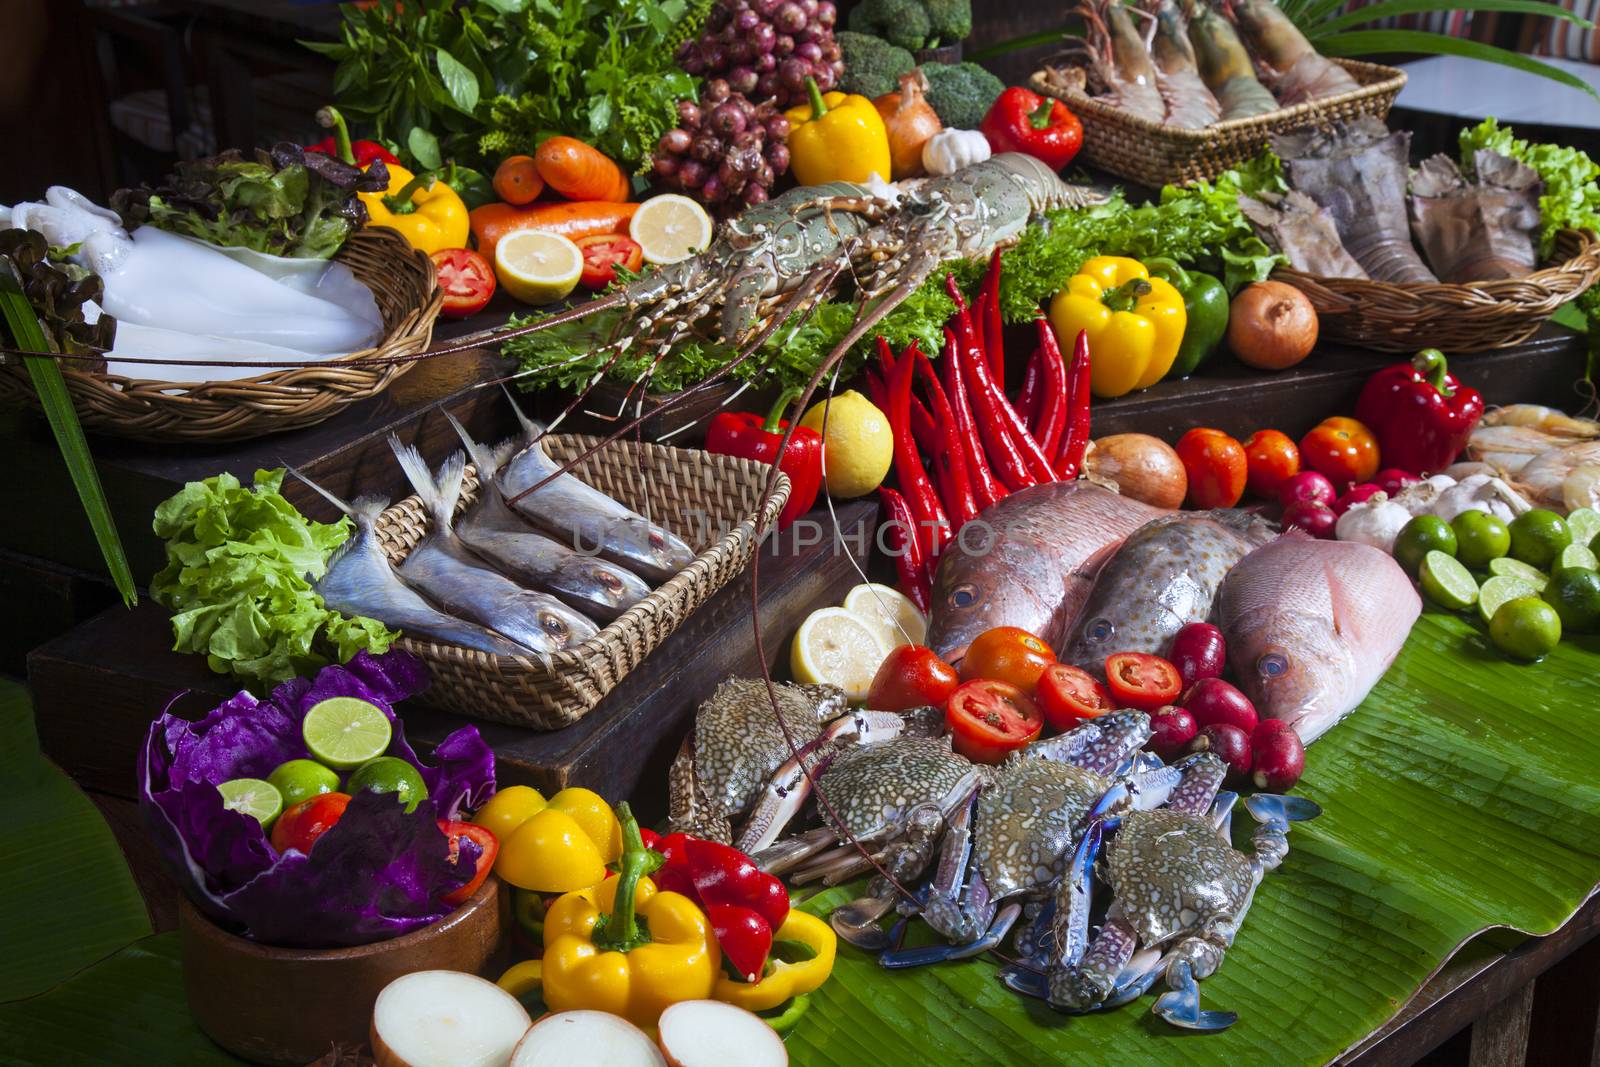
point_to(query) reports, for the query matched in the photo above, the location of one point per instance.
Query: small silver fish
(361, 581)
(583, 516)
(588, 584)
(447, 571)
(1165, 575)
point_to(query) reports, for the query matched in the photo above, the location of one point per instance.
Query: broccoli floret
(961, 94)
(900, 22)
(872, 66)
(949, 21)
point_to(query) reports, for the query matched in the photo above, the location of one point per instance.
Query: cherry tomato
(1216, 466)
(488, 848)
(1140, 680)
(1271, 459)
(1007, 654)
(602, 253)
(517, 181)
(1342, 449)
(989, 720)
(300, 826)
(467, 281)
(1067, 695)
(912, 676)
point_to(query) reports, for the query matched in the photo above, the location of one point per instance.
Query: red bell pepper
(1023, 121)
(338, 144)
(745, 904)
(1421, 415)
(749, 436)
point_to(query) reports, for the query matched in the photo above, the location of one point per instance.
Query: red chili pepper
(338, 144)
(1053, 393)
(1075, 441)
(1021, 120)
(745, 905)
(922, 424)
(1021, 462)
(949, 458)
(989, 320)
(1421, 415)
(986, 488)
(749, 436)
(932, 528)
(899, 536)
(1028, 400)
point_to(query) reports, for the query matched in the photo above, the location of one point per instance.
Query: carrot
(580, 172)
(517, 181)
(493, 221)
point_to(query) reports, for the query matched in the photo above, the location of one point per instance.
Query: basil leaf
(424, 148)
(460, 82)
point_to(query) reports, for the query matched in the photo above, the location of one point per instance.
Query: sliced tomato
(467, 281)
(989, 720)
(1140, 680)
(603, 253)
(488, 848)
(300, 826)
(1067, 695)
(1007, 654)
(912, 676)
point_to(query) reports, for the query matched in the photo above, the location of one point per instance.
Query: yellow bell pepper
(598, 955)
(553, 846)
(1135, 323)
(837, 138)
(786, 980)
(426, 211)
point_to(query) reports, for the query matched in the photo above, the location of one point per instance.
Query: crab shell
(1028, 819)
(738, 742)
(872, 787)
(1171, 873)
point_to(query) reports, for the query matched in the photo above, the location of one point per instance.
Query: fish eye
(610, 582)
(1272, 664)
(963, 596)
(657, 540)
(1099, 630)
(554, 626)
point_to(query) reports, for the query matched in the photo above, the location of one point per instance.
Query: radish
(445, 1019)
(1171, 730)
(586, 1039)
(1279, 758)
(709, 1033)
(1213, 701)
(1230, 744)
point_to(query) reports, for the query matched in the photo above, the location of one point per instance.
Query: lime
(1423, 534)
(1584, 524)
(1447, 583)
(254, 797)
(389, 774)
(1575, 594)
(302, 779)
(345, 732)
(1515, 568)
(1500, 589)
(1576, 555)
(1480, 537)
(1538, 536)
(1526, 628)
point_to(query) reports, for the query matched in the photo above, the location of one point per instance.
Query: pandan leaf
(1367, 42)
(28, 335)
(1392, 8)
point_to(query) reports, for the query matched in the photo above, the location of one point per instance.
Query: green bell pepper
(1206, 303)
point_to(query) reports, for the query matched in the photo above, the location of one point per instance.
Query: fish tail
(346, 509)
(448, 478)
(422, 483)
(484, 459)
(531, 429)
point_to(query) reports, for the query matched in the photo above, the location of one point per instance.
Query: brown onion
(1271, 325)
(910, 120)
(1144, 468)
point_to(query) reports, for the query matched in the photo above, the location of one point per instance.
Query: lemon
(536, 267)
(890, 612)
(838, 647)
(857, 448)
(670, 227)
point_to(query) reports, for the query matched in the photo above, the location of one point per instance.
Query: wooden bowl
(288, 1006)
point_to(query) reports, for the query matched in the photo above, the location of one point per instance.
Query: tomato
(1343, 449)
(602, 253)
(488, 849)
(300, 826)
(912, 676)
(467, 281)
(1140, 680)
(989, 720)
(1270, 460)
(1216, 466)
(1007, 654)
(1067, 695)
(517, 181)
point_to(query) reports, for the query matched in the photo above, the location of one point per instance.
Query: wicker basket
(1155, 154)
(674, 484)
(1403, 317)
(401, 279)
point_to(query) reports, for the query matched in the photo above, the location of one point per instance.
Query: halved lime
(1500, 589)
(302, 779)
(254, 797)
(1506, 567)
(389, 774)
(1576, 555)
(345, 732)
(1447, 583)
(1584, 524)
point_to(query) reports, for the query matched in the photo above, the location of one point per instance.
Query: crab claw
(858, 922)
(1024, 980)
(1180, 1006)
(917, 957)
(1271, 807)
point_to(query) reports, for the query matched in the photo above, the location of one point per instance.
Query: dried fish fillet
(1303, 231)
(1477, 231)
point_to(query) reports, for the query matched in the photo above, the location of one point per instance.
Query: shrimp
(1120, 61)
(1546, 420)
(1285, 59)
(1189, 103)
(1225, 65)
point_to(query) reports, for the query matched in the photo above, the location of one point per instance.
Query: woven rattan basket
(712, 502)
(400, 277)
(1393, 317)
(1155, 154)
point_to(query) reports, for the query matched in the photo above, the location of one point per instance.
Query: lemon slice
(890, 612)
(670, 227)
(536, 267)
(837, 647)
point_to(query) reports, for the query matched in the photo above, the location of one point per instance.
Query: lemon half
(890, 612)
(537, 267)
(670, 227)
(837, 647)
